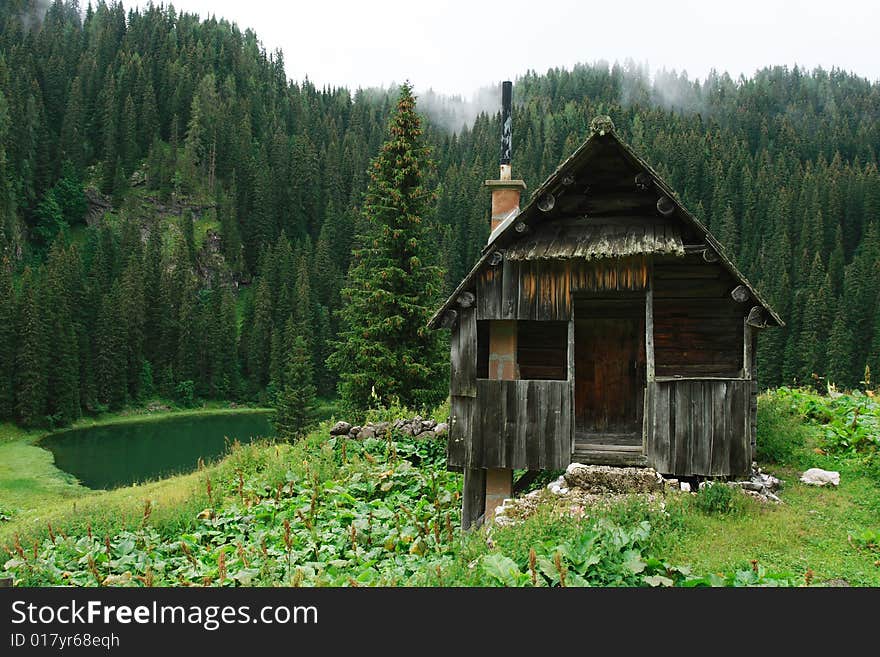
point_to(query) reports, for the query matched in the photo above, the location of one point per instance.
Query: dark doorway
(609, 372)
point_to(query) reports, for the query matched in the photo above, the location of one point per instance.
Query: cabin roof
(581, 235)
(582, 238)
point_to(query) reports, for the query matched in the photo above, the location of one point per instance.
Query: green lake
(114, 455)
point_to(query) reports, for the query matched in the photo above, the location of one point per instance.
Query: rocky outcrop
(98, 204)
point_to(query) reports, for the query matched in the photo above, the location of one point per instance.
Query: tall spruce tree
(385, 352)
(7, 339)
(31, 367)
(295, 399)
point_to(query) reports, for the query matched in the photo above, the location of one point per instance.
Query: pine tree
(31, 366)
(259, 346)
(128, 137)
(385, 351)
(189, 332)
(294, 403)
(7, 340)
(224, 370)
(152, 287)
(728, 231)
(63, 366)
(111, 375)
(840, 350)
(874, 353)
(818, 314)
(132, 313)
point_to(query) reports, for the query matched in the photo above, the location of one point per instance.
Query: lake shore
(31, 487)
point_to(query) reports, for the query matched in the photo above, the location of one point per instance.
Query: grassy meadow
(336, 512)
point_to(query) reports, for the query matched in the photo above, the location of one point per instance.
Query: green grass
(28, 476)
(690, 538)
(808, 532)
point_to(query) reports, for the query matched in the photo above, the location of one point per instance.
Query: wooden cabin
(603, 324)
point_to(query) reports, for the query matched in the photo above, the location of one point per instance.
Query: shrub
(848, 422)
(184, 393)
(780, 432)
(718, 499)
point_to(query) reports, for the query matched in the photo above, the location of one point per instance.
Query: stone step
(612, 479)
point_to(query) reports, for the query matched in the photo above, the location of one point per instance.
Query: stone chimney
(505, 191)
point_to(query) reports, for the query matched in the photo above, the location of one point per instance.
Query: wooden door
(610, 373)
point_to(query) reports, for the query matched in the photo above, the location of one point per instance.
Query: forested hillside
(170, 203)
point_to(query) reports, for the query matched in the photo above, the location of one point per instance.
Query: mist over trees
(171, 204)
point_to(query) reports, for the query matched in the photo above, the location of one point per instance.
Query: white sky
(457, 46)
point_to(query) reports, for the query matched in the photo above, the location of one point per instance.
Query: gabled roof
(507, 237)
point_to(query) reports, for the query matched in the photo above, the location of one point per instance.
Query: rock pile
(583, 485)
(416, 426)
(586, 485)
(760, 485)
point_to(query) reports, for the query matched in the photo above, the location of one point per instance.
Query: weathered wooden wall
(701, 427)
(702, 423)
(462, 384)
(543, 289)
(542, 350)
(463, 355)
(512, 424)
(698, 327)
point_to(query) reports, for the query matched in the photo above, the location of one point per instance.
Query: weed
(719, 499)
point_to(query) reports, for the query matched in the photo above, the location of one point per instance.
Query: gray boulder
(340, 429)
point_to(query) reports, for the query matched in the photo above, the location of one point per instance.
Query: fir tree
(63, 365)
(31, 366)
(111, 373)
(840, 350)
(224, 370)
(385, 351)
(259, 346)
(294, 402)
(7, 339)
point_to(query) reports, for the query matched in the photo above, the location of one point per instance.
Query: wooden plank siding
(460, 430)
(542, 350)
(463, 355)
(701, 427)
(512, 424)
(543, 289)
(698, 327)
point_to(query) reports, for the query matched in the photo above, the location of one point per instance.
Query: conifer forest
(178, 218)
